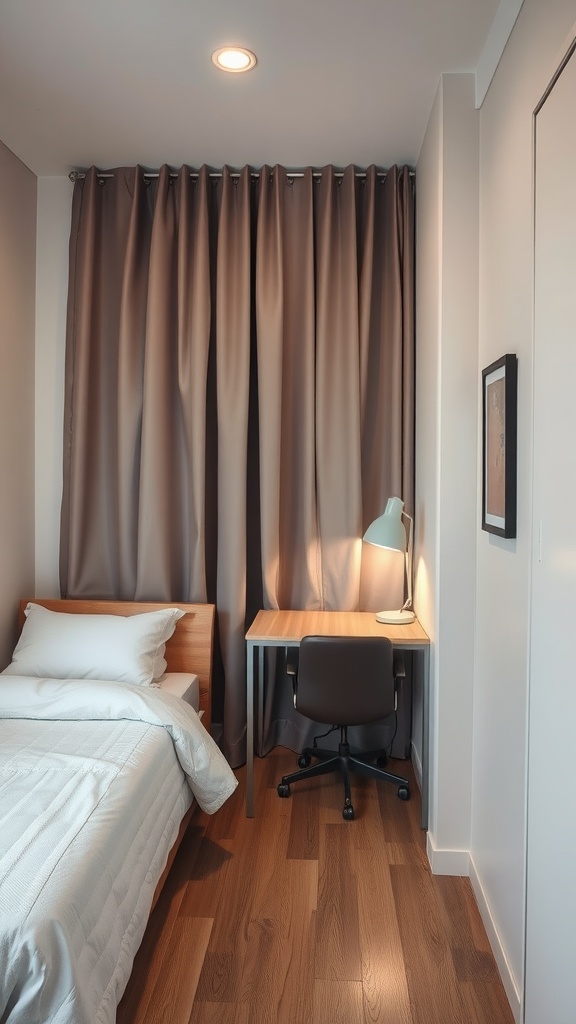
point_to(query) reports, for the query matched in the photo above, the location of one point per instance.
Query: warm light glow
(234, 59)
(424, 594)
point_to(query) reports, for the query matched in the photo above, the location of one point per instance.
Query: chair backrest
(345, 680)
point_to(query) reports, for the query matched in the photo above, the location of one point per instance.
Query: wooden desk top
(285, 627)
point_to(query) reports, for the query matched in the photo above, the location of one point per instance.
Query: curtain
(239, 395)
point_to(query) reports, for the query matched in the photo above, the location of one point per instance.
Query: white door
(550, 991)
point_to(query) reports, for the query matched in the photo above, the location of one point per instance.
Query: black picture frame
(499, 427)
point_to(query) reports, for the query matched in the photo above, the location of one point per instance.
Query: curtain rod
(79, 175)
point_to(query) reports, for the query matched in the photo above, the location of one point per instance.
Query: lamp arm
(407, 606)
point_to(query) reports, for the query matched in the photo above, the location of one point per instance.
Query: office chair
(347, 681)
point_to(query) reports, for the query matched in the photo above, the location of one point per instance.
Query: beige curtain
(239, 392)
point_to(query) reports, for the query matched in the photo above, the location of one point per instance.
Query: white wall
(551, 895)
(491, 623)
(503, 566)
(428, 248)
(54, 210)
(17, 273)
(447, 318)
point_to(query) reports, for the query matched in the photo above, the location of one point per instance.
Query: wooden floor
(298, 917)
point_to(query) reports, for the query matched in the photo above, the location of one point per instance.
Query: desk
(286, 629)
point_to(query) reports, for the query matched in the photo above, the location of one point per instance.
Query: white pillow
(63, 645)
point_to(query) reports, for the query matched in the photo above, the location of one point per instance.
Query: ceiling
(121, 82)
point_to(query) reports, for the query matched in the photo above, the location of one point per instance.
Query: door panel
(550, 992)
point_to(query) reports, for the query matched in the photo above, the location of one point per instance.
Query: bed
(101, 765)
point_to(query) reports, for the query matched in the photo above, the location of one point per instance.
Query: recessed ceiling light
(234, 58)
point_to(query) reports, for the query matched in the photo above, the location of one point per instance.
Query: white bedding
(75, 895)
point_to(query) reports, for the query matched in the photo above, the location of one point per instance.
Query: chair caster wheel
(403, 793)
(283, 789)
(348, 813)
(304, 761)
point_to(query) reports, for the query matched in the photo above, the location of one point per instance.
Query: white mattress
(94, 781)
(182, 684)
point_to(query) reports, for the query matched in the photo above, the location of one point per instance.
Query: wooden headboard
(189, 649)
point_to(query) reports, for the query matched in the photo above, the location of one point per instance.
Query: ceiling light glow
(234, 59)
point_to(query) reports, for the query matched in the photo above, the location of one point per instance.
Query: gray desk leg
(425, 736)
(249, 730)
(260, 698)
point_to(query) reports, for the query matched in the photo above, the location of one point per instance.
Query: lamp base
(401, 618)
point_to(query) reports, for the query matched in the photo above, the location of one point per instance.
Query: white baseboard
(447, 862)
(460, 862)
(508, 979)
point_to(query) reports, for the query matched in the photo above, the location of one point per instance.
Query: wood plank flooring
(297, 916)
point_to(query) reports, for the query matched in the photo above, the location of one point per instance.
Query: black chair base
(347, 763)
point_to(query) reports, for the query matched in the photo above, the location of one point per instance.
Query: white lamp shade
(388, 530)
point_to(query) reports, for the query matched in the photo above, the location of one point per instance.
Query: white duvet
(77, 758)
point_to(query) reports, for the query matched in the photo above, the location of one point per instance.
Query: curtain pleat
(286, 339)
(194, 321)
(233, 322)
(239, 397)
(338, 391)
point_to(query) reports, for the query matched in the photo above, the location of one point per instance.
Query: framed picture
(499, 414)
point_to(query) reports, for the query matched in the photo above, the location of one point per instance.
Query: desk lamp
(388, 531)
